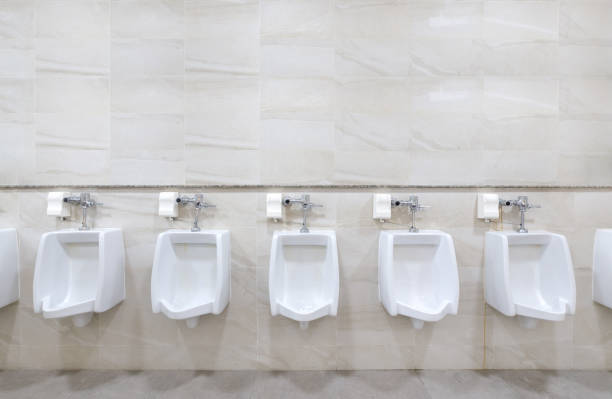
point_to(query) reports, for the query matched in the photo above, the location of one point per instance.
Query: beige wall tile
(147, 19)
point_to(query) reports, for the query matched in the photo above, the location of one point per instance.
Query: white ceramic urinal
(191, 274)
(529, 275)
(78, 273)
(304, 275)
(417, 275)
(602, 267)
(9, 267)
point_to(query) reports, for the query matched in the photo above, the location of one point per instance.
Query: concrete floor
(306, 384)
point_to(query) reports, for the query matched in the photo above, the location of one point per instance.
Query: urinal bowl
(191, 274)
(9, 267)
(602, 267)
(529, 275)
(417, 275)
(304, 275)
(78, 273)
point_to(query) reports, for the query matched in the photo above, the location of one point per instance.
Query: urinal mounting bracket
(85, 201)
(523, 205)
(198, 203)
(413, 204)
(306, 206)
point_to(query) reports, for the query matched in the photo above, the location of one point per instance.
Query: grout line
(314, 187)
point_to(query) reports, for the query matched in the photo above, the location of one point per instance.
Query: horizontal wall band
(316, 187)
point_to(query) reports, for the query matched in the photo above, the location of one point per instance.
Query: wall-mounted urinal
(417, 275)
(417, 270)
(602, 267)
(191, 274)
(529, 275)
(191, 270)
(304, 274)
(9, 267)
(79, 272)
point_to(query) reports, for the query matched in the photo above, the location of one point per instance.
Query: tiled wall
(245, 336)
(306, 91)
(300, 92)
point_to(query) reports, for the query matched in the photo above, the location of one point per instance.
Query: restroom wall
(203, 93)
(429, 92)
(362, 336)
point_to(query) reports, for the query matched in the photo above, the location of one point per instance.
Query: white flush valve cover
(381, 206)
(168, 206)
(274, 209)
(56, 205)
(488, 206)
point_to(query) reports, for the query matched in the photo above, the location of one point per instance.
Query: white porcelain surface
(602, 267)
(417, 274)
(304, 275)
(191, 274)
(530, 275)
(9, 267)
(78, 273)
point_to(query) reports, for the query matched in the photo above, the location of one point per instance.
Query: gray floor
(303, 384)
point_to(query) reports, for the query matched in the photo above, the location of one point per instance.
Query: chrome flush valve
(413, 204)
(523, 205)
(305, 205)
(198, 203)
(85, 201)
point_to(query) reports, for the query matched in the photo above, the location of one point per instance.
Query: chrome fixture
(413, 204)
(523, 205)
(198, 203)
(85, 201)
(306, 205)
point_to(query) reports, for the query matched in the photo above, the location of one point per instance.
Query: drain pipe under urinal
(81, 320)
(192, 322)
(417, 324)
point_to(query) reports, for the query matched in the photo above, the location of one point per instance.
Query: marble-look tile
(374, 356)
(76, 57)
(147, 19)
(156, 95)
(401, 20)
(69, 148)
(147, 136)
(14, 129)
(585, 22)
(147, 57)
(290, 61)
(375, 167)
(301, 99)
(506, 98)
(72, 94)
(586, 98)
(585, 168)
(58, 357)
(16, 96)
(585, 59)
(393, 57)
(16, 61)
(301, 384)
(296, 357)
(390, 384)
(297, 22)
(66, 18)
(524, 22)
(295, 166)
(222, 37)
(213, 165)
(18, 21)
(442, 384)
